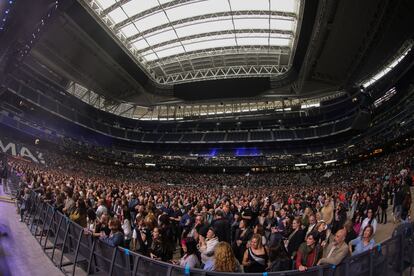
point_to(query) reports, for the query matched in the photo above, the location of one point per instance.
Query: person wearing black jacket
(295, 238)
(222, 226)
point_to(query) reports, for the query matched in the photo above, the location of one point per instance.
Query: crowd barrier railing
(71, 249)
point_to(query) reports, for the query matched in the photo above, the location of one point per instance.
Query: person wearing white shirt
(369, 220)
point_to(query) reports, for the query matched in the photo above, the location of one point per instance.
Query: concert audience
(264, 221)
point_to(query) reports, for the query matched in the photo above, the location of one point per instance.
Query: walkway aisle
(20, 253)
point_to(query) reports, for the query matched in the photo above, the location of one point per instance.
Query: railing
(75, 252)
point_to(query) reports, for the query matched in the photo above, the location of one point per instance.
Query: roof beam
(238, 31)
(113, 7)
(152, 10)
(282, 15)
(222, 51)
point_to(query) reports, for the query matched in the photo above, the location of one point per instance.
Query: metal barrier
(70, 249)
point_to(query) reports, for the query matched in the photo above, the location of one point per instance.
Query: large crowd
(227, 222)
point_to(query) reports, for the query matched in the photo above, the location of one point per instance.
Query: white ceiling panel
(161, 30)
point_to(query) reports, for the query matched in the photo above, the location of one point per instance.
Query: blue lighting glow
(247, 152)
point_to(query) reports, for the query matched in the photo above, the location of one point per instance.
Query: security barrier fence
(77, 253)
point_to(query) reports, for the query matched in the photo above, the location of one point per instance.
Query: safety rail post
(111, 267)
(88, 271)
(45, 222)
(48, 227)
(56, 237)
(77, 251)
(371, 263)
(136, 264)
(64, 242)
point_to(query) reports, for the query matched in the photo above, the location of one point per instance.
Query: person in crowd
(101, 208)
(327, 212)
(339, 218)
(384, 207)
(258, 229)
(24, 202)
(157, 248)
(312, 224)
(357, 222)
(369, 220)
(255, 257)
(190, 258)
(91, 220)
(350, 232)
(102, 227)
(141, 236)
(223, 260)
(242, 236)
(335, 252)
(364, 242)
(207, 245)
(295, 238)
(279, 258)
(116, 237)
(79, 215)
(127, 229)
(222, 226)
(309, 252)
(69, 202)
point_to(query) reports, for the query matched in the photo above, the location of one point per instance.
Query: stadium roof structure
(178, 41)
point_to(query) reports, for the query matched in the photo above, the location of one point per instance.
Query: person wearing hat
(207, 244)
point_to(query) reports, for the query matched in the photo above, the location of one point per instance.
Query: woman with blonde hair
(255, 257)
(224, 259)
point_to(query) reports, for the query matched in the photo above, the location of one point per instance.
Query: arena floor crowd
(229, 222)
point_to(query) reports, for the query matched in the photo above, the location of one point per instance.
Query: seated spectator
(309, 252)
(364, 242)
(207, 245)
(116, 237)
(255, 257)
(369, 220)
(279, 259)
(223, 260)
(335, 252)
(190, 258)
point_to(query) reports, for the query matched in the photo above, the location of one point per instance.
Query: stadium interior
(205, 137)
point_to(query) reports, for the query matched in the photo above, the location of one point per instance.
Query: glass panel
(284, 5)
(279, 41)
(276, 24)
(170, 52)
(211, 44)
(252, 23)
(252, 41)
(205, 28)
(129, 30)
(151, 21)
(137, 6)
(140, 44)
(117, 15)
(161, 37)
(105, 3)
(243, 5)
(197, 8)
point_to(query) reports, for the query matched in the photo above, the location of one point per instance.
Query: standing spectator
(116, 237)
(243, 235)
(295, 238)
(369, 220)
(207, 245)
(327, 212)
(222, 226)
(79, 214)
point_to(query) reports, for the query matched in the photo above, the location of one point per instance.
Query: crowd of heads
(227, 222)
